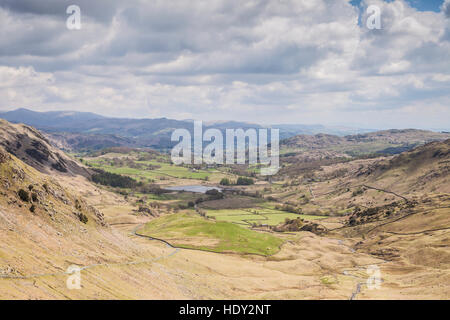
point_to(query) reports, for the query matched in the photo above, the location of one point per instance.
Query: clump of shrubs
(24, 195)
(241, 181)
(225, 182)
(214, 194)
(83, 218)
(153, 189)
(289, 225)
(358, 192)
(33, 208)
(244, 181)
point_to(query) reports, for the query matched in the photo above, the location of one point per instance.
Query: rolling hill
(50, 220)
(386, 142)
(423, 169)
(47, 226)
(84, 130)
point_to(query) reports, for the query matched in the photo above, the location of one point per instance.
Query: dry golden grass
(412, 255)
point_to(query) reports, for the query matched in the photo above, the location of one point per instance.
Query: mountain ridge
(86, 131)
(33, 148)
(147, 132)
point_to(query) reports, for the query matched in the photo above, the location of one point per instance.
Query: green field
(189, 230)
(164, 170)
(265, 216)
(158, 168)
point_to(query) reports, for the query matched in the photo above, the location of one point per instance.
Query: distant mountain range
(86, 130)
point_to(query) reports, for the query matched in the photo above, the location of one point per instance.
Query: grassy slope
(264, 216)
(217, 236)
(164, 171)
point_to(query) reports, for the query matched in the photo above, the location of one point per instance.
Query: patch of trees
(225, 182)
(119, 181)
(113, 179)
(214, 194)
(152, 188)
(244, 181)
(241, 181)
(24, 195)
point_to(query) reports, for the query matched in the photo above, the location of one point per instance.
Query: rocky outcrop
(373, 214)
(30, 146)
(295, 225)
(4, 156)
(291, 225)
(147, 211)
(314, 228)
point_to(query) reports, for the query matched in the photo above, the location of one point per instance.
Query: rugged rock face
(367, 215)
(408, 139)
(22, 187)
(82, 141)
(294, 225)
(30, 146)
(434, 155)
(4, 156)
(147, 211)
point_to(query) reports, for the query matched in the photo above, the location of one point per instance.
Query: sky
(422, 5)
(262, 61)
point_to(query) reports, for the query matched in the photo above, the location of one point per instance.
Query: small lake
(194, 188)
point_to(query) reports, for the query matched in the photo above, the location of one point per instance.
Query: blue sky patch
(421, 5)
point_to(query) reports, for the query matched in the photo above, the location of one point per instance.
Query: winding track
(133, 232)
(360, 284)
(347, 272)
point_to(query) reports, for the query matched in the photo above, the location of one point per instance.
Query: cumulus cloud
(297, 61)
(446, 8)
